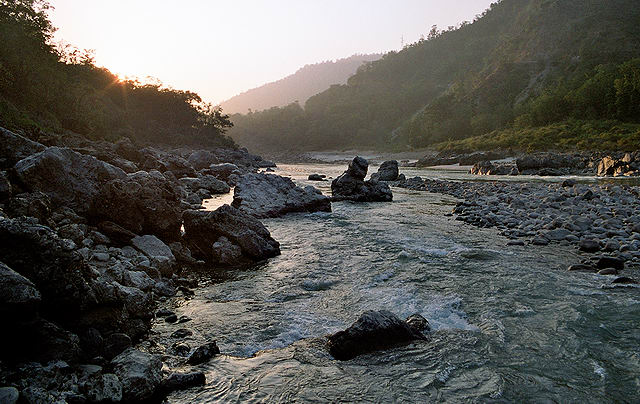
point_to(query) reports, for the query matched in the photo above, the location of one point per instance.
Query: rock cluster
(90, 238)
(268, 195)
(388, 171)
(351, 185)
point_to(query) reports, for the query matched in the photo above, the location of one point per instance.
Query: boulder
(208, 182)
(388, 171)
(143, 203)
(202, 159)
(610, 262)
(34, 204)
(317, 177)
(537, 161)
(9, 395)
(116, 233)
(158, 252)
(588, 245)
(204, 229)
(182, 381)
(351, 185)
(203, 353)
(14, 148)
(268, 195)
(222, 171)
(489, 168)
(140, 374)
(373, 331)
(19, 297)
(69, 178)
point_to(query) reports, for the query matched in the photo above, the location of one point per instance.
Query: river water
(510, 324)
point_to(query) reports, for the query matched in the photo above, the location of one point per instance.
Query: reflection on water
(510, 323)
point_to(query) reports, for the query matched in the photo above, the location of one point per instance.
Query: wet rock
(610, 262)
(69, 178)
(34, 204)
(182, 381)
(582, 268)
(418, 323)
(623, 280)
(569, 183)
(181, 333)
(204, 229)
(203, 353)
(171, 318)
(164, 313)
(541, 241)
(14, 148)
(9, 395)
(158, 252)
(104, 388)
(588, 245)
(608, 271)
(373, 331)
(268, 195)
(208, 182)
(140, 374)
(225, 252)
(351, 185)
(317, 177)
(181, 349)
(388, 171)
(19, 298)
(515, 243)
(143, 203)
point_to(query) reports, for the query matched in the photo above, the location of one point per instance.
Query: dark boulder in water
(351, 186)
(388, 171)
(373, 331)
(317, 177)
(203, 353)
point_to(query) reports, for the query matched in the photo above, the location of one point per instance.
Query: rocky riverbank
(94, 234)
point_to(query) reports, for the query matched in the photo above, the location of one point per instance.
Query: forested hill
(532, 73)
(300, 86)
(45, 88)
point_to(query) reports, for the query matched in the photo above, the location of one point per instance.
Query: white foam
(599, 370)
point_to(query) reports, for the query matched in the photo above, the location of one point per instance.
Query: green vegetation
(44, 88)
(524, 68)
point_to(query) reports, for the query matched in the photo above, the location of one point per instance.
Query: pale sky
(219, 48)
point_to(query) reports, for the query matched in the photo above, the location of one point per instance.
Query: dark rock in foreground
(228, 236)
(268, 195)
(203, 353)
(373, 331)
(351, 185)
(181, 381)
(140, 374)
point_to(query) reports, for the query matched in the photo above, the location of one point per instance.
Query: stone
(557, 234)
(158, 252)
(5, 186)
(203, 353)
(116, 233)
(623, 280)
(608, 271)
(541, 241)
(582, 268)
(164, 313)
(171, 318)
(317, 177)
(208, 182)
(268, 195)
(140, 374)
(225, 252)
(14, 148)
(182, 381)
(34, 204)
(373, 331)
(351, 185)
(204, 229)
(143, 203)
(610, 262)
(181, 333)
(104, 388)
(588, 245)
(222, 171)
(69, 178)
(388, 171)
(9, 395)
(115, 344)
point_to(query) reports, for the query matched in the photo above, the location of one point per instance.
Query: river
(509, 324)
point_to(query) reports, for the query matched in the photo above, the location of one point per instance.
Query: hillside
(300, 86)
(522, 64)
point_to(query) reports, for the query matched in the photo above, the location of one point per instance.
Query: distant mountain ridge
(300, 86)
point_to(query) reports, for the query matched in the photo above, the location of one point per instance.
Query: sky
(220, 48)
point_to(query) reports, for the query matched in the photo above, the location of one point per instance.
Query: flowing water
(510, 324)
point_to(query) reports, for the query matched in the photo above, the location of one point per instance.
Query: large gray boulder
(268, 195)
(242, 237)
(14, 148)
(207, 182)
(158, 252)
(388, 171)
(69, 178)
(373, 331)
(351, 185)
(140, 374)
(143, 203)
